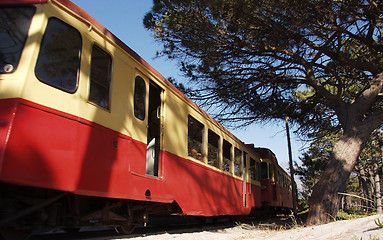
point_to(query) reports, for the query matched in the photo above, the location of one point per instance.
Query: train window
(254, 169)
(264, 170)
(245, 160)
(213, 141)
(195, 130)
(58, 62)
(100, 77)
(226, 163)
(15, 23)
(272, 172)
(237, 162)
(139, 98)
(257, 171)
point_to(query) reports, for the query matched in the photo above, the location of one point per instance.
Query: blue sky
(124, 19)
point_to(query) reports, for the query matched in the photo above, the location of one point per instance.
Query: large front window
(14, 26)
(58, 62)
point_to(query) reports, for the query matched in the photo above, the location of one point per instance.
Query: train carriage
(91, 134)
(276, 184)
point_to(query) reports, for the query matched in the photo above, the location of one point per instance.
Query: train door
(154, 130)
(273, 178)
(244, 180)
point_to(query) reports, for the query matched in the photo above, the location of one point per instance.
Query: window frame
(238, 153)
(265, 170)
(213, 134)
(49, 83)
(255, 168)
(258, 170)
(136, 78)
(226, 150)
(189, 138)
(13, 65)
(111, 66)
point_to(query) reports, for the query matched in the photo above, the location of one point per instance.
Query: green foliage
(252, 58)
(350, 214)
(370, 238)
(379, 223)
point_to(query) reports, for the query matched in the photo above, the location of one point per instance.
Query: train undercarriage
(27, 209)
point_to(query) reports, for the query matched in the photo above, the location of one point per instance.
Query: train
(92, 135)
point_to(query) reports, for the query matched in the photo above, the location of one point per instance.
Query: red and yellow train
(91, 134)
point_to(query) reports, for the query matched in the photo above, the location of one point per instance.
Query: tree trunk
(324, 200)
(375, 165)
(372, 185)
(363, 184)
(357, 127)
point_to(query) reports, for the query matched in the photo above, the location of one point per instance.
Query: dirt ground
(356, 229)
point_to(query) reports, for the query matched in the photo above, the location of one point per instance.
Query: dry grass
(257, 229)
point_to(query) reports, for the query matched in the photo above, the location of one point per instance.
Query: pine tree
(250, 57)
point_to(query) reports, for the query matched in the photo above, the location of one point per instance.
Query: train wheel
(14, 234)
(125, 229)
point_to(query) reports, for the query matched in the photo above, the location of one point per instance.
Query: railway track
(176, 226)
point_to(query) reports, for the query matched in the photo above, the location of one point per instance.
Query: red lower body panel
(7, 113)
(276, 196)
(46, 148)
(200, 190)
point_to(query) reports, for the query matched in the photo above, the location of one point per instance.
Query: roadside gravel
(356, 229)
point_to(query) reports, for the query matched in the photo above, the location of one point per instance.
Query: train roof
(265, 153)
(93, 23)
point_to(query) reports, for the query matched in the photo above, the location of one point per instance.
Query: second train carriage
(276, 183)
(92, 134)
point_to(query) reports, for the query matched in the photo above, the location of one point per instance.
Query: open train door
(154, 130)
